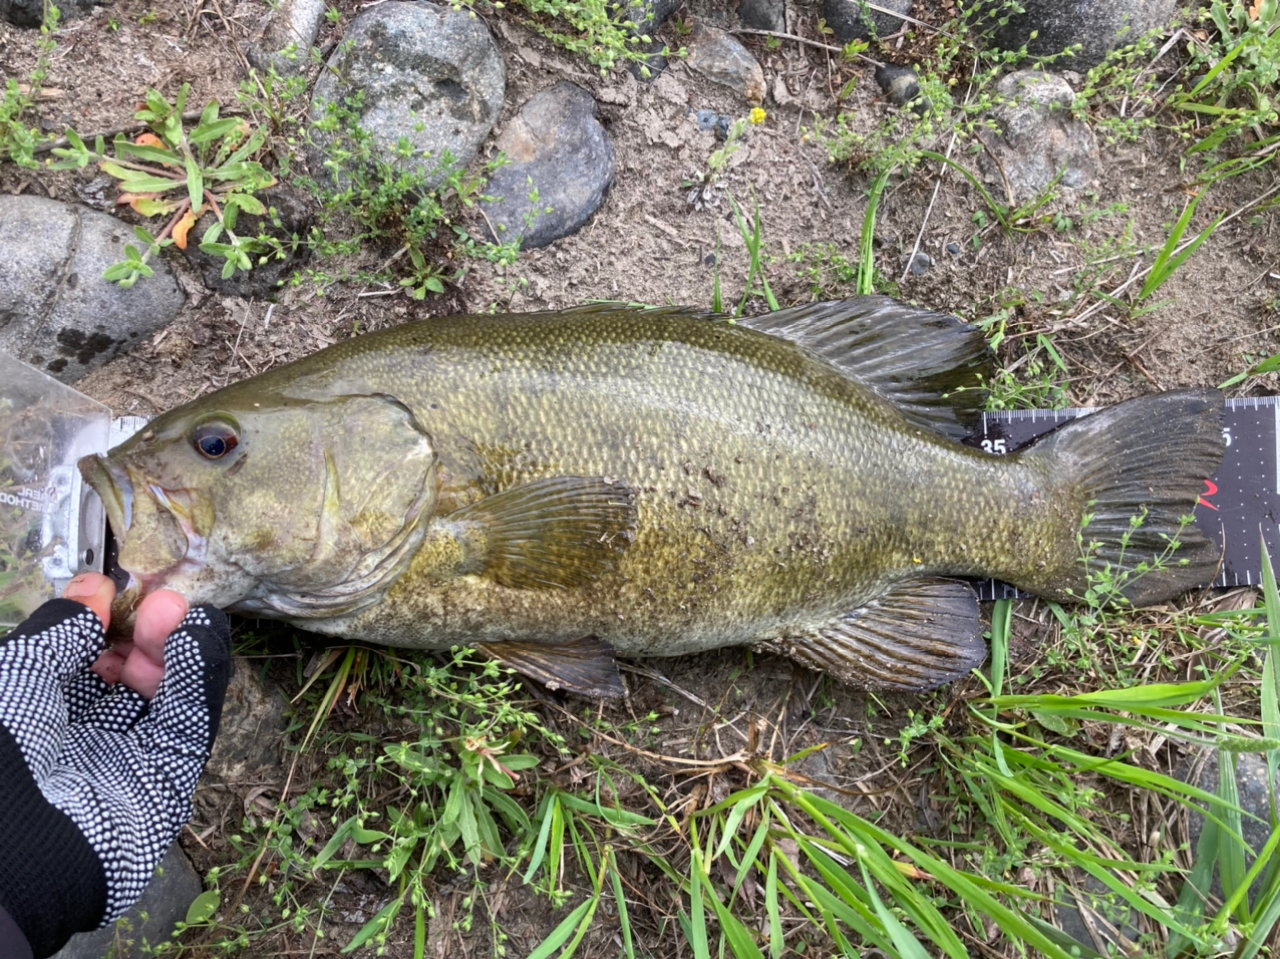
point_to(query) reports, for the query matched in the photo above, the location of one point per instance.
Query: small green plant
(706, 186)
(178, 174)
(409, 204)
(18, 140)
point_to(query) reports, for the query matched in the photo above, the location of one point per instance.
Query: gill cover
(377, 488)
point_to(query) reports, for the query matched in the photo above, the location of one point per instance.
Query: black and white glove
(95, 782)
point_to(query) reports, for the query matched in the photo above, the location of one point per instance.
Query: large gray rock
(1093, 27)
(30, 13)
(854, 20)
(56, 311)
(557, 144)
(151, 920)
(431, 78)
(1038, 138)
(250, 735)
(285, 36)
(1255, 789)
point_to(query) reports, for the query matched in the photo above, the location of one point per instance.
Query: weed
(17, 140)
(179, 174)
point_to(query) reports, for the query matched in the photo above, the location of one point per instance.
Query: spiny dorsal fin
(918, 634)
(553, 533)
(584, 666)
(932, 366)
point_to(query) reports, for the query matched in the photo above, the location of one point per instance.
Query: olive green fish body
(661, 481)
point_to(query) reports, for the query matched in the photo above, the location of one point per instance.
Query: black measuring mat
(1240, 502)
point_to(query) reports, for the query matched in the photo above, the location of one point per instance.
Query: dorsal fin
(932, 366)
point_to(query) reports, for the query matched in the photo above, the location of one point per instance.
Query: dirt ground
(1218, 316)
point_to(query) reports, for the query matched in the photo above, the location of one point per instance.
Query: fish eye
(214, 440)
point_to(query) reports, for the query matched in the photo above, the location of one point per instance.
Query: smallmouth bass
(556, 487)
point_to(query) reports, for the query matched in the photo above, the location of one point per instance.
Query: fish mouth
(170, 529)
(114, 487)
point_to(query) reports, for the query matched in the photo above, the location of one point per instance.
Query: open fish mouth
(155, 527)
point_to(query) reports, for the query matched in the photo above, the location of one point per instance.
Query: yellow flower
(757, 116)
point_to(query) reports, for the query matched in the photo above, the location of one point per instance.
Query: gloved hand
(95, 781)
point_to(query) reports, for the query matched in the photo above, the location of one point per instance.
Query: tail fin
(1139, 467)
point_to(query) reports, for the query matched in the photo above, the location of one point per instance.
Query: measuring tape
(1240, 501)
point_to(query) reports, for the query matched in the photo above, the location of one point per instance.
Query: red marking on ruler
(1210, 489)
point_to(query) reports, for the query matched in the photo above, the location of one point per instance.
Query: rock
(722, 59)
(285, 36)
(56, 311)
(919, 265)
(1039, 137)
(1087, 905)
(763, 14)
(556, 144)
(430, 76)
(645, 17)
(30, 13)
(900, 84)
(953, 248)
(1096, 26)
(1255, 799)
(249, 743)
(718, 123)
(295, 215)
(150, 921)
(852, 21)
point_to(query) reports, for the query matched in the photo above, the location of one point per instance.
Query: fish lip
(114, 487)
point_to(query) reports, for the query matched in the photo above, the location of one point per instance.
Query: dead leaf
(1255, 9)
(183, 227)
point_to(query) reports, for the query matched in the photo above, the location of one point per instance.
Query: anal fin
(919, 634)
(584, 666)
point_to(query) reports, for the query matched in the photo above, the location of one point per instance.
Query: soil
(1216, 317)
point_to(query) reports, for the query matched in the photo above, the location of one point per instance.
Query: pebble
(556, 144)
(296, 217)
(285, 36)
(431, 76)
(919, 264)
(1038, 137)
(1047, 27)
(953, 248)
(902, 86)
(150, 921)
(851, 20)
(57, 313)
(722, 59)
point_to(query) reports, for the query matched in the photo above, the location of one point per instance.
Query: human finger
(95, 591)
(159, 615)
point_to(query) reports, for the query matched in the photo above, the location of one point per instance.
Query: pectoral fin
(919, 634)
(584, 666)
(555, 533)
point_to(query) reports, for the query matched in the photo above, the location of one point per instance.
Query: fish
(556, 489)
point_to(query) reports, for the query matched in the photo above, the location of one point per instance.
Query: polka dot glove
(95, 782)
